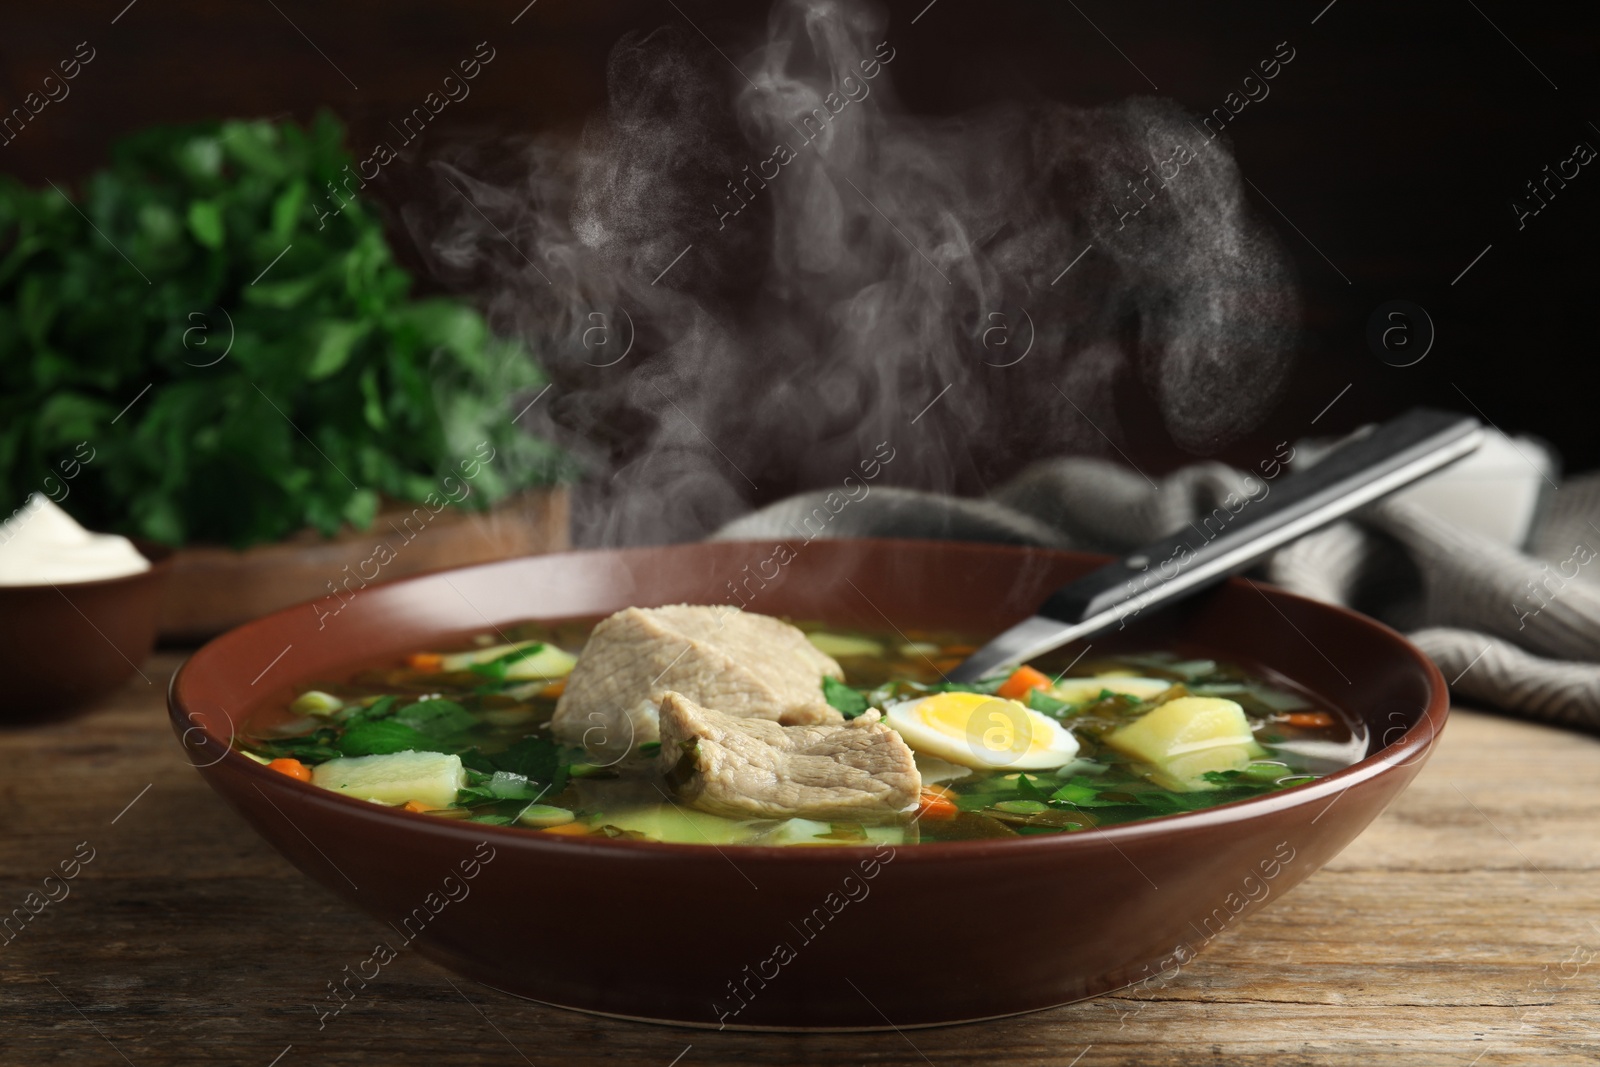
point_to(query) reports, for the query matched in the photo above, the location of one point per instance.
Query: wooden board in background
(211, 589)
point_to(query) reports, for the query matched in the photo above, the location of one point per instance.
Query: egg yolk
(994, 723)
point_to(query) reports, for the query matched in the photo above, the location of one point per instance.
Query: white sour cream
(42, 544)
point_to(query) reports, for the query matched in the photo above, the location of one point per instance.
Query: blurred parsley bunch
(337, 387)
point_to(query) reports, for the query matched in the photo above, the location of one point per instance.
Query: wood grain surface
(1462, 928)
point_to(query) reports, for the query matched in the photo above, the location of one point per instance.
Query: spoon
(1393, 455)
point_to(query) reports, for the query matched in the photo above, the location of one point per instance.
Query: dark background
(1395, 142)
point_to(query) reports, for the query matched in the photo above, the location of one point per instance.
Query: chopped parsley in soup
(708, 725)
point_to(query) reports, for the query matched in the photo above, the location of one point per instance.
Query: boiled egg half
(982, 731)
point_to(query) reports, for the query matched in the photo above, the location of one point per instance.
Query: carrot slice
(417, 806)
(567, 829)
(425, 662)
(1023, 681)
(1308, 719)
(293, 768)
(554, 689)
(935, 803)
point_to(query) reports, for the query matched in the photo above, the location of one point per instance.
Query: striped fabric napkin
(1489, 567)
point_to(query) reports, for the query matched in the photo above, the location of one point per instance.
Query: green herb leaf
(500, 665)
(1162, 802)
(480, 768)
(382, 738)
(1041, 701)
(1027, 790)
(436, 718)
(1082, 792)
(351, 714)
(205, 222)
(335, 341)
(261, 304)
(1021, 807)
(318, 747)
(848, 701)
(1075, 794)
(538, 759)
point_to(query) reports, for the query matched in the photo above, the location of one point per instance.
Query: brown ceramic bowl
(850, 937)
(62, 646)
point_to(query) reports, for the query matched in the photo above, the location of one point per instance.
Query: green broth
(499, 727)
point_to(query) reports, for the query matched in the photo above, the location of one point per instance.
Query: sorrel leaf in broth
(384, 737)
(435, 718)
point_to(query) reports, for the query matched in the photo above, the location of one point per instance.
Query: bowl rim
(1414, 746)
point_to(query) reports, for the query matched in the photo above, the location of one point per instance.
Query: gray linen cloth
(1515, 629)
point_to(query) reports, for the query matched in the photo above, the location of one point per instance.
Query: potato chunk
(430, 778)
(1184, 738)
(668, 822)
(1079, 690)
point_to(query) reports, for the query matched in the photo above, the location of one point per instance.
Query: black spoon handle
(1393, 455)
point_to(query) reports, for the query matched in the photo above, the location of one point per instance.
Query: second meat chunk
(739, 662)
(858, 771)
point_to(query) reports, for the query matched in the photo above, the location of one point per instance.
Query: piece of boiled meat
(743, 664)
(745, 768)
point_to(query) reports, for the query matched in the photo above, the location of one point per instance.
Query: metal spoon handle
(1227, 541)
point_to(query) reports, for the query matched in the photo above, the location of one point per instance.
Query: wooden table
(1462, 928)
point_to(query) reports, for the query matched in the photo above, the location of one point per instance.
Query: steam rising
(782, 324)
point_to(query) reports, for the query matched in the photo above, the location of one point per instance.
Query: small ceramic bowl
(851, 937)
(62, 646)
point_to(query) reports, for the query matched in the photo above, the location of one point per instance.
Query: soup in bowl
(491, 733)
(768, 807)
